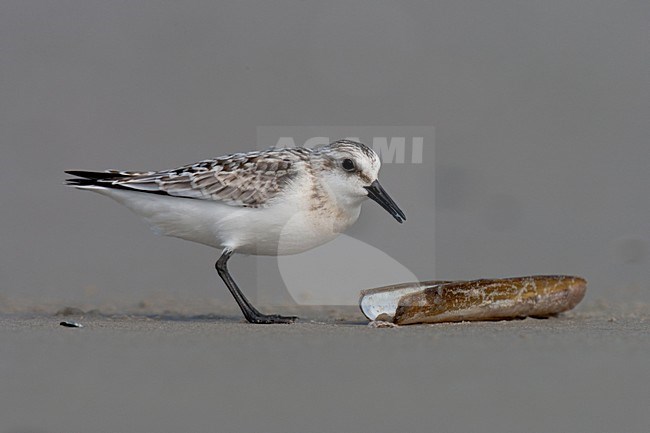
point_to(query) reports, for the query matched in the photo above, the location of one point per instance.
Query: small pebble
(71, 324)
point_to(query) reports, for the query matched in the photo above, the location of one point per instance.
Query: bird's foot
(267, 319)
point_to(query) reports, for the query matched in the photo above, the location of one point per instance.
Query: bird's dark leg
(250, 313)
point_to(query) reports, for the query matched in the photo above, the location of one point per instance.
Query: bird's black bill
(378, 194)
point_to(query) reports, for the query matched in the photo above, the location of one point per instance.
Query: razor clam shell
(486, 299)
(380, 303)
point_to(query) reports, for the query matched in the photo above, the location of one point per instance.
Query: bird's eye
(348, 164)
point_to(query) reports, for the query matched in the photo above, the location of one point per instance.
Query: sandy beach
(585, 371)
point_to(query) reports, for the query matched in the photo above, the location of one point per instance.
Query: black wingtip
(103, 179)
(95, 175)
(80, 182)
(88, 178)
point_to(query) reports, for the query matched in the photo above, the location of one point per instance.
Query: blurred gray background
(541, 114)
(540, 111)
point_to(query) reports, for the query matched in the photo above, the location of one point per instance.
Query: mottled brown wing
(249, 180)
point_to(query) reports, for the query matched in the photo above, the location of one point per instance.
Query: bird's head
(351, 170)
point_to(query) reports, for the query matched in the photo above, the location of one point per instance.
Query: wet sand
(585, 371)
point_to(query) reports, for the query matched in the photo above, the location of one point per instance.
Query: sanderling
(272, 202)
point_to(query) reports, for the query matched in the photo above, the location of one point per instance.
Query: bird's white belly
(276, 230)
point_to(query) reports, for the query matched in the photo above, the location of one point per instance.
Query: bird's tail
(93, 178)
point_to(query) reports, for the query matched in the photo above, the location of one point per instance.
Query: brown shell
(485, 299)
